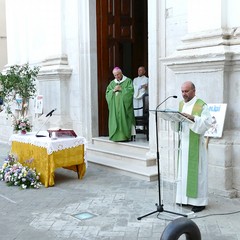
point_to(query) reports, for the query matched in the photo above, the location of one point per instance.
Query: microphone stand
(39, 135)
(159, 205)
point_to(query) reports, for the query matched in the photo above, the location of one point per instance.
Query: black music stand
(168, 115)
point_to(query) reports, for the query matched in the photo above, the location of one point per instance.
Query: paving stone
(116, 201)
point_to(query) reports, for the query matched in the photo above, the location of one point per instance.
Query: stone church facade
(187, 40)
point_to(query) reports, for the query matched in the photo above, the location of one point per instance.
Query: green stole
(193, 152)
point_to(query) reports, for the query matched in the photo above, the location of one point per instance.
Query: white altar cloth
(48, 143)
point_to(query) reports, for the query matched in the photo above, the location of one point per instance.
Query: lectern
(173, 116)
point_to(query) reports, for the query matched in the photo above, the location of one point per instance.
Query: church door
(121, 41)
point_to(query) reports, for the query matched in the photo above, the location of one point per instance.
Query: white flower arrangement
(15, 174)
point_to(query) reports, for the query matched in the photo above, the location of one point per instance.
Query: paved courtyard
(103, 205)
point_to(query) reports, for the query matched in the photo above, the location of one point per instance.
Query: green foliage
(18, 80)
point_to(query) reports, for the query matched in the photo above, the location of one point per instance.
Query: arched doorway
(122, 40)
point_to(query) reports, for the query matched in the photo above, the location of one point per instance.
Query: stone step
(124, 157)
(130, 158)
(136, 148)
(127, 151)
(132, 169)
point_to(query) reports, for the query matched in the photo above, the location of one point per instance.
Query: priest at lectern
(192, 189)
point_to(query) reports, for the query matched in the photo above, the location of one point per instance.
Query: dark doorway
(122, 40)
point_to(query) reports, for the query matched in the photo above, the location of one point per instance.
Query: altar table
(46, 155)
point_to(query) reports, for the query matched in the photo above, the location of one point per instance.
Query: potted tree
(17, 86)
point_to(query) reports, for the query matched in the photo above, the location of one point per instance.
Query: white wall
(204, 15)
(3, 36)
(37, 27)
(207, 15)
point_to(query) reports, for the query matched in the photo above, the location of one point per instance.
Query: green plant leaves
(18, 79)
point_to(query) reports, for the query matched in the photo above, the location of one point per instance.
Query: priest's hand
(191, 117)
(117, 88)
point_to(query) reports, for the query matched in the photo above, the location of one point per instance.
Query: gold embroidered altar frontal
(46, 155)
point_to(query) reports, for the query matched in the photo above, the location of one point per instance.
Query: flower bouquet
(22, 124)
(15, 174)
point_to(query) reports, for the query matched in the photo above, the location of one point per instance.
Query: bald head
(188, 91)
(141, 71)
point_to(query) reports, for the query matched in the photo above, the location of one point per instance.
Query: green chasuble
(121, 115)
(193, 152)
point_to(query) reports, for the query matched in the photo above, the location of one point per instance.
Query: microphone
(165, 101)
(50, 113)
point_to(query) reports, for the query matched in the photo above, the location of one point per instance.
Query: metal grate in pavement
(84, 215)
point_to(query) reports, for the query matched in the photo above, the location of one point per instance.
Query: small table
(46, 155)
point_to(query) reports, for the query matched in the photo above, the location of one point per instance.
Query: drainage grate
(84, 215)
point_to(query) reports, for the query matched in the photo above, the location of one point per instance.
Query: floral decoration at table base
(15, 174)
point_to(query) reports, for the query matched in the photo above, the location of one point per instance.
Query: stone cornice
(226, 37)
(212, 51)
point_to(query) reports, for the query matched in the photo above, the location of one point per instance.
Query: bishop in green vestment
(119, 96)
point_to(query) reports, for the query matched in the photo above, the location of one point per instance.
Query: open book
(62, 132)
